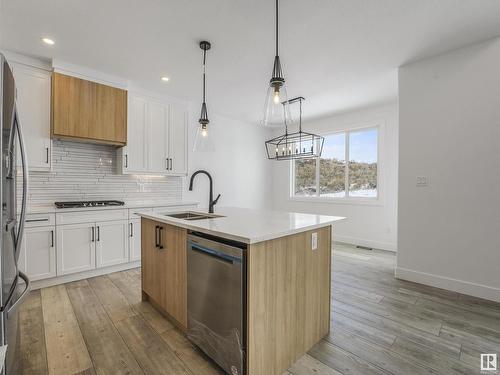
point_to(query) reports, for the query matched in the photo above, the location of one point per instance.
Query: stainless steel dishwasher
(217, 299)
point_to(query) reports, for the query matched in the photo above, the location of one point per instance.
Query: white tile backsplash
(82, 171)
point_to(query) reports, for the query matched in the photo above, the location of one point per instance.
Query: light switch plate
(314, 240)
(422, 181)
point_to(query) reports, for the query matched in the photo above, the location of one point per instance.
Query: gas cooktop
(78, 204)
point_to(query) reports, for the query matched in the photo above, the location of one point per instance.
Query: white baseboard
(83, 275)
(448, 283)
(363, 242)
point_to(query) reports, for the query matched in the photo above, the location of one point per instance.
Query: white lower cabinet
(76, 245)
(134, 239)
(71, 242)
(38, 253)
(111, 243)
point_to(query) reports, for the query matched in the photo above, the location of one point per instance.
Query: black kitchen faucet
(211, 201)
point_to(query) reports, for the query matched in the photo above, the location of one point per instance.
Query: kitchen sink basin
(190, 215)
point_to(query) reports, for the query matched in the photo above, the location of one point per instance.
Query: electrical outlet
(314, 240)
(422, 181)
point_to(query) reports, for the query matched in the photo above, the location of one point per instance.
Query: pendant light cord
(300, 116)
(277, 30)
(204, 62)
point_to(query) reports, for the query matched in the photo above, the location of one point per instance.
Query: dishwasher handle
(213, 253)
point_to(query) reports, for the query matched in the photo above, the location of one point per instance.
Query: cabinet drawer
(90, 216)
(132, 212)
(174, 208)
(40, 220)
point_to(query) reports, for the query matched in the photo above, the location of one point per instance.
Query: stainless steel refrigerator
(14, 284)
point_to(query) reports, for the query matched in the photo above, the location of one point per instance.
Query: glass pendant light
(276, 98)
(204, 139)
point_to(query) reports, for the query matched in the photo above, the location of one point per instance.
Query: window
(348, 167)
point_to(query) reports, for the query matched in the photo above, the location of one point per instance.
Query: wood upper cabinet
(88, 111)
(164, 268)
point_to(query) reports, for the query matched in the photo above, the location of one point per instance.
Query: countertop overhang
(249, 225)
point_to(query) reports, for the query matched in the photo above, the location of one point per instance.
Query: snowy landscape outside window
(347, 168)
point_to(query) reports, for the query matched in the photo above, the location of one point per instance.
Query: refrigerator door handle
(24, 162)
(27, 281)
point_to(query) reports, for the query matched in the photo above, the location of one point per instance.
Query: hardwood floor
(380, 325)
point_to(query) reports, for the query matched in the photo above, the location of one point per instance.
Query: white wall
(368, 225)
(450, 132)
(238, 166)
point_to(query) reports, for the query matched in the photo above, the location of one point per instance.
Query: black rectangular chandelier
(297, 145)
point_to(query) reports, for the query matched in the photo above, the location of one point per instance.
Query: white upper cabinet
(33, 104)
(177, 145)
(157, 137)
(135, 156)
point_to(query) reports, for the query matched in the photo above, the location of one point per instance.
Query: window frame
(376, 201)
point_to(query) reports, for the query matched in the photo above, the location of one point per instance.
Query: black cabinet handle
(160, 240)
(36, 220)
(171, 164)
(98, 234)
(93, 234)
(126, 161)
(47, 155)
(52, 238)
(157, 235)
(131, 229)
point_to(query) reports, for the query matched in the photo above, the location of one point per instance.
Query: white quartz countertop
(249, 225)
(49, 208)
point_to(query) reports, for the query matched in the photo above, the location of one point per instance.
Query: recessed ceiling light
(48, 41)
(165, 79)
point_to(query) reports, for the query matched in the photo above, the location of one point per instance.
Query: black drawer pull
(36, 220)
(160, 240)
(157, 235)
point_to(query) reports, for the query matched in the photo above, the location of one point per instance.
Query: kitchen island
(285, 266)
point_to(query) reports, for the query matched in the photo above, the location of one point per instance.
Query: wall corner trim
(448, 283)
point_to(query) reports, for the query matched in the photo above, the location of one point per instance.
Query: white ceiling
(339, 54)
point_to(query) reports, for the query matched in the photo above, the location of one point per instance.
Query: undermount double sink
(191, 215)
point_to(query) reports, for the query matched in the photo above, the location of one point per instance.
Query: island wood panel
(150, 261)
(164, 271)
(288, 300)
(85, 110)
